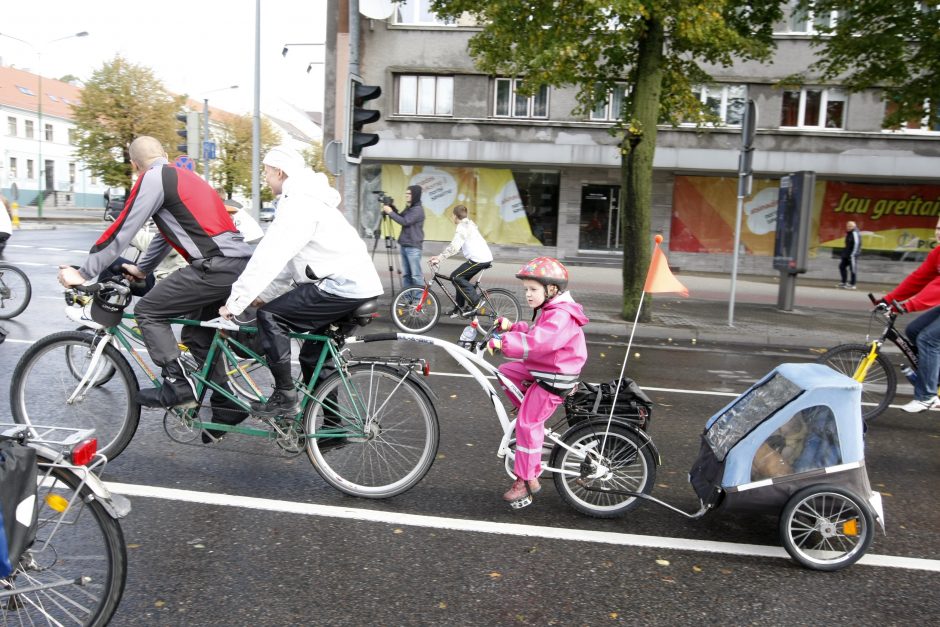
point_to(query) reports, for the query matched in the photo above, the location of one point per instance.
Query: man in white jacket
(311, 245)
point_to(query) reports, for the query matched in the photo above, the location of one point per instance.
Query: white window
(809, 22)
(418, 12)
(921, 123)
(29, 129)
(612, 107)
(726, 102)
(48, 132)
(425, 95)
(13, 172)
(515, 105)
(73, 136)
(11, 126)
(29, 169)
(813, 107)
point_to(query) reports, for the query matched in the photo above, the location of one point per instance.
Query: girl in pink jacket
(552, 351)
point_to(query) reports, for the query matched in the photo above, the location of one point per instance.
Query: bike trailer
(595, 400)
(799, 426)
(17, 502)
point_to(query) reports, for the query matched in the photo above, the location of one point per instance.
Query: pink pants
(538, 404)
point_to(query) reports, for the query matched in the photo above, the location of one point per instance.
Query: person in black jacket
(848, 266)
(411, 237)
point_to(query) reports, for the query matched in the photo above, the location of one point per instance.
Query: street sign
(208, 150)
(186, 162)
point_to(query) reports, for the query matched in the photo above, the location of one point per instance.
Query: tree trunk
(639, 145)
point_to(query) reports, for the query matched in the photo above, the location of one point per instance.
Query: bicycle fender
(117, 505)
(643, 435)
(419, 381)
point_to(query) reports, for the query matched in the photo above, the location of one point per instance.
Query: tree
(232, 171)
(656, 48)
(121, 101)
(313, 157)
(881, 44)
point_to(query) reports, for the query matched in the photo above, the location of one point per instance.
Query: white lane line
(481, 526)
(30, 263)
(58, 250)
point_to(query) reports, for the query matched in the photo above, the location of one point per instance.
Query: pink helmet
(545, 270)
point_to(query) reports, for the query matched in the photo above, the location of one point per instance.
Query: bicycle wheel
(15, 291)
(499, 302)
(413, 314)
(624, 463)
(43, 382)
(880, 384)
(824, 527)
(394, 427)
(74, 573)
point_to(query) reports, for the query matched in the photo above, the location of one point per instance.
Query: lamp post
(205, 129)
(40, 131)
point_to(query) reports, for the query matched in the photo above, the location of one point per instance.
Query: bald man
(193, 221)
(848, 264)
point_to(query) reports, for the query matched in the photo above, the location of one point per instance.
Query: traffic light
(189, 132)
(357, 95)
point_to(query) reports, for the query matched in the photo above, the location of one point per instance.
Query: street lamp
(205, 127)
(286, 46)
(40, 130)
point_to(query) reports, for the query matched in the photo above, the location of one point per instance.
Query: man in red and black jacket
(192, 220)
(920, 291)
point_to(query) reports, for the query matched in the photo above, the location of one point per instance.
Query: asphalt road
(231, 534)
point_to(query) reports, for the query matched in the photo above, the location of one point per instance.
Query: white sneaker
(916, 406)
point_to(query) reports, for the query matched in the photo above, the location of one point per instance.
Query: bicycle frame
(438, 279)
(890, 334)
(222, 344)
(476, 366)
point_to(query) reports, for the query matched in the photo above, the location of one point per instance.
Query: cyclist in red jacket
(920, 291)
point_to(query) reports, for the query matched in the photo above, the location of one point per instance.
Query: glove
(494, 345)
(503, 324)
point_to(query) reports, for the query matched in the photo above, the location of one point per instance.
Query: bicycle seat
(363, 314)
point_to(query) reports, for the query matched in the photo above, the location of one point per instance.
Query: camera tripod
(385, 227)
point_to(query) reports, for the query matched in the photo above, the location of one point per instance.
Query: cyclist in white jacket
(470, 243)
(309, 245)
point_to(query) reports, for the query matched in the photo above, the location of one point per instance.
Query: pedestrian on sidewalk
(920, 291)
(848, 265)
(411, 238)
(551, 352)
(470, 243)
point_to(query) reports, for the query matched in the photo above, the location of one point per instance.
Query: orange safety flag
(660, 278)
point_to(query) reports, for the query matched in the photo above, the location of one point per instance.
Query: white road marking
(59, 250)
(482, 526)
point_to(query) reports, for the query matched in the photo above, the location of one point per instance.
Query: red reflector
(84, 452)
(426, 369)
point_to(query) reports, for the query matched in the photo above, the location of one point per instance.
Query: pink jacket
(553, 345)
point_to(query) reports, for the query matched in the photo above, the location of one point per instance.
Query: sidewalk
(822, 316)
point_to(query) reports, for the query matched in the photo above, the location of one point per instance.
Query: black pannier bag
(594, 400)
(18, 505)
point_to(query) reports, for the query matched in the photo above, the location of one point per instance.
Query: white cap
(286, 159)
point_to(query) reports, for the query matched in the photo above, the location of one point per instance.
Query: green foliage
(313, 157)
(232, 170)
(120, 102)
(658, 48)
(880, 43)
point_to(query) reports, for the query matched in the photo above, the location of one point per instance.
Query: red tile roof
(56, 95)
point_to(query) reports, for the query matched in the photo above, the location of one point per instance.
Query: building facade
(541, 179)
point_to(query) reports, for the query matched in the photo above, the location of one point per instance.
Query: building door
(600, 218)
(50, 177)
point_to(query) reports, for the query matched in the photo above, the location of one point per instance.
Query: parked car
(266, 214)
(114, 198)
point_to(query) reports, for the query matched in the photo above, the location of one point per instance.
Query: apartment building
(540, 179)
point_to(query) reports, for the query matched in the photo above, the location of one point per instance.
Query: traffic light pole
(351, 171)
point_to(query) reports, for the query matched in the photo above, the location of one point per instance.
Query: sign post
(745, 181)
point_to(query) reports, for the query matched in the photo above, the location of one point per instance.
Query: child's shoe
(520, 493)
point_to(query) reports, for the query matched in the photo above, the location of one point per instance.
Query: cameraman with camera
(411, 237)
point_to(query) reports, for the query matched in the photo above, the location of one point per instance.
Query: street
(234, 534)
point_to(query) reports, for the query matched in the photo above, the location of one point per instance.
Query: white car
(266, 214)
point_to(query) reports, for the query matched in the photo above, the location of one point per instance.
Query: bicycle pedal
(523, 502)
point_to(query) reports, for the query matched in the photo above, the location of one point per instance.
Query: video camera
(385, 199)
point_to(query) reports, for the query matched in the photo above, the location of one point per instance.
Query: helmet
(545, 270)
(108, 304)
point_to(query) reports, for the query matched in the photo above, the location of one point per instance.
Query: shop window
(813, 108)
(612, 107)
(539, 192)
(425, 95)
(509, 103)
(808, 441)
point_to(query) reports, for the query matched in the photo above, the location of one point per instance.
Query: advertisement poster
(894, 218)
(490, 194)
